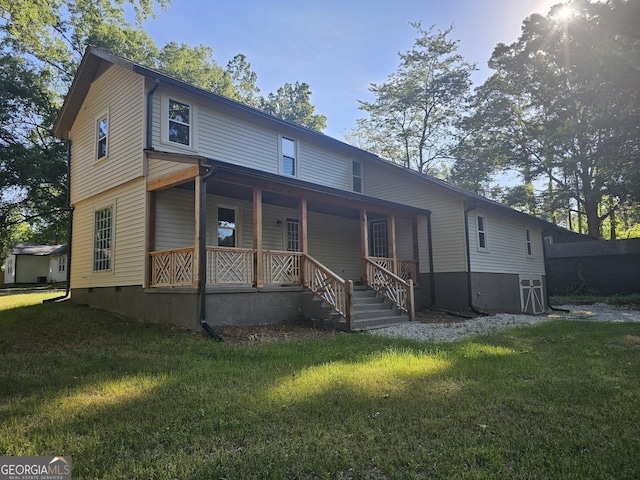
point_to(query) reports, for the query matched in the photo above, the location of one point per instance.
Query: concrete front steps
(370, 311)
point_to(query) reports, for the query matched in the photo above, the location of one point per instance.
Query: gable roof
(96, 60)
(37, 250)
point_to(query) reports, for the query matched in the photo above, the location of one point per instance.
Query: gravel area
(450, 332)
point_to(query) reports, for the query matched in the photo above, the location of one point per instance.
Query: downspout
(468, 208)
(70, 229)
(546, 280)
(156, 84)
(202, 258)
(432, 276)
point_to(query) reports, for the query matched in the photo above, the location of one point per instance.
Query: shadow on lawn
(132, 400)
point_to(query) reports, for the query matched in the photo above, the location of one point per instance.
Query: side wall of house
(128, 237)
(119, 94)
(31, 268)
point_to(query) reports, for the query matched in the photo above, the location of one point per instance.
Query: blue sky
(338, 47)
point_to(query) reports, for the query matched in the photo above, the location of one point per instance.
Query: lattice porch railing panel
(172, 268)
(281, 268)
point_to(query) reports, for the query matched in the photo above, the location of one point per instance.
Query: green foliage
(293, 102)
(132, 400)
(562, 108)
(412, 119)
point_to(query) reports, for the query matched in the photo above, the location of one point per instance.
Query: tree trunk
(593, 219)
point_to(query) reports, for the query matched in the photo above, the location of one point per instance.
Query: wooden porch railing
(229, 266)
(172, 268)
(281, 268)
(407, 269)
(394, 288)
(328, 286)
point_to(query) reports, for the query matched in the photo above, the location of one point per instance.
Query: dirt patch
(304, 329)
(267, 333)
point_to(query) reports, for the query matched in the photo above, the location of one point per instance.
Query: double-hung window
(179, 122)
(356, 176)
(288, 156)
(103, 239)
(61, 263)
(102, 136)
(482, 232)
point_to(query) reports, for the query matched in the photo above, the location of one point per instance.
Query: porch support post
(304, 245)
(364, 240)
(394, 254)
(197, 238)
(257, 236)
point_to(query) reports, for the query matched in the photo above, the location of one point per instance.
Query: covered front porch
(256, 232)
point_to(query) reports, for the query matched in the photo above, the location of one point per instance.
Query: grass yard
(133, 401)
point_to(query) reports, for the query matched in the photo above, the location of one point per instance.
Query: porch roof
(294, 186)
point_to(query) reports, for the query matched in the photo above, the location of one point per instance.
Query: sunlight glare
(564, 12)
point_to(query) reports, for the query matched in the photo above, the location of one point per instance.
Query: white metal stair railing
(394, 288)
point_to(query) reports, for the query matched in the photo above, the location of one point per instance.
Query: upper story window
(179, 122)
(356, 176)
(288, 156)
(527, 236)
(102, 136)
(482, 232)
(103, 239)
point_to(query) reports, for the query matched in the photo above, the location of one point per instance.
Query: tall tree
(563, 109)
(293, 102)
(412, 119)
(42, 43)
(244, 81)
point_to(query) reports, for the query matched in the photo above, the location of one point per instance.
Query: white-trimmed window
(293, 235)
(481, 228)
(527, 239)
(356, 176)
(378, 239)
(102, 136)
(103, 239)
(288, 163)
(227, 226)
(62, 263)
(180, 122)
(10, 267)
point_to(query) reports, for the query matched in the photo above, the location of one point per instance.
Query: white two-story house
(191, 208)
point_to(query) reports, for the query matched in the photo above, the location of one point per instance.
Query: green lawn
(136, 401)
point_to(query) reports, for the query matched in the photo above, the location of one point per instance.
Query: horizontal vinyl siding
(335, 242)
(128, 238)
(174, 219)
(121, 93)
(322, 167)
(404, 238)
(506, 246)
(447, 214)
(229, 138)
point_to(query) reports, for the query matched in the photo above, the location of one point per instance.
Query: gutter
(432, 277)
(202, 257)
(70, 229)
(546, 280)
(468, 208)
(156, 84)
